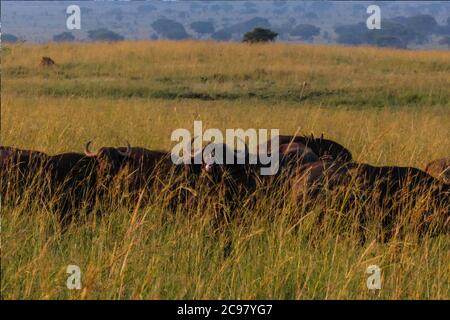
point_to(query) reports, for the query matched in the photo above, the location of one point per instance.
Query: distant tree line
(398, 32)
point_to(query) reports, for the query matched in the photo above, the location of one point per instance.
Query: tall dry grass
(386, 106)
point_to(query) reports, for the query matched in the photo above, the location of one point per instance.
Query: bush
(305, 31)
(423, 23)
(259, 35)
(445, 40)
(104, 34)
(64, 37)
(310, 15)
(170, 29)
(203, 27)
(391, 42)
(356, 34)
(221, 35)
(7, 37)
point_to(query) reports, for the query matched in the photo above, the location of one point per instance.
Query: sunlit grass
(386, 106)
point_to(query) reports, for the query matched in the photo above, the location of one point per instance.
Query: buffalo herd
(309, 167)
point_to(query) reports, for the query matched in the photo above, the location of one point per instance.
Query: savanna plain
(389, 107)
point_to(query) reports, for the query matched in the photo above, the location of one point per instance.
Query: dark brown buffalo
(227, 185)
(299, 151)
(292, 156)
(72, 183)
(385, 193)
(238, 180)
(440, 169)
(72, 180)
(55, 182)
(150, 172)
(109, 160)
(392, 188)
(64, 182)
(148, 162)
(145, 173)
(18, 170)
(6, 152)
(321, 147)
(312, 178)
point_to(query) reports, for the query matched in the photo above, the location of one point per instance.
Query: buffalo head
(109, 160)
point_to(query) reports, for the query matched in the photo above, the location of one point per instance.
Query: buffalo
(311, 178)
(19, 169)
(228, 182)
(142, 174)
(388, 187)
(308, 167)
(321, 147)
(64, 181)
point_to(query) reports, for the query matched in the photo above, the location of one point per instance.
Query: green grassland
(386, 106)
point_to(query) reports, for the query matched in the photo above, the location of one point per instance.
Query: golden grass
(125, 91)
(380, 136)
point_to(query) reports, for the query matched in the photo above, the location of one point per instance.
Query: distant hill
(406, 24)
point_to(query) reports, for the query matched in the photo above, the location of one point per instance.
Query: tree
(104, 34)
(423, 24)
(221, 35)
(203, 27)
(259, 35)
(117, 13)
(310, 15)
(305, 31)
(84, 10)
(170, 29)
(445, 41)
(445, 29)
(64, 37)
(7, 37)
(390, 42)
(353, 34)
(356, 34)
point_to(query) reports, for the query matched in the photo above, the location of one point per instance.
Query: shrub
(305, 31)
(104, 34)
(259, 35)
(64, 37)
(203, 27)
(170, 29)
(7, 37)
(221, 35)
